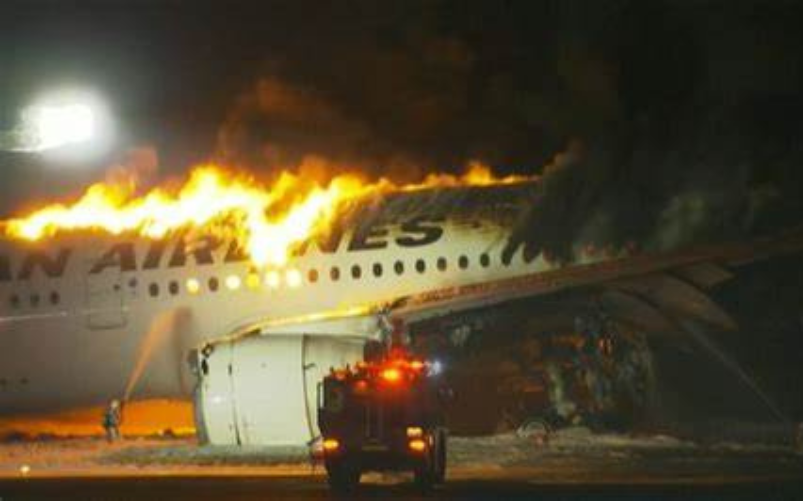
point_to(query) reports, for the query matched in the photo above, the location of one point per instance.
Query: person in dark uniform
(111, 420)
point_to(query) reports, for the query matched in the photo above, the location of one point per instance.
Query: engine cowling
(262, 390)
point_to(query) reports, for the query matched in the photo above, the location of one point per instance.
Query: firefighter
(111, 420)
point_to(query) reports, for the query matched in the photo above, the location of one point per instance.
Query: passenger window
(273, 279)
(334, 273)
(485, 260)
(356, 271)
(15, 301)
(55, 298)
(312, 275)
(377, 270)
(153, 290)
(252, 280)
(420, 266)
(507, 258)
(193, 286)
(233, 282)
(173, 287)
(213, 284)
(462, 262)
(441, 263)
(398, 267)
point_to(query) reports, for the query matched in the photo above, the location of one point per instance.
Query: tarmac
(573, 464)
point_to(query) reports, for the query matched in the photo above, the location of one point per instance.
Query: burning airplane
(265, 287)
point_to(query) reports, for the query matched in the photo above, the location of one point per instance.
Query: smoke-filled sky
(660, 122)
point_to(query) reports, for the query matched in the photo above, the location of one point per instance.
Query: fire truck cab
(380, 416)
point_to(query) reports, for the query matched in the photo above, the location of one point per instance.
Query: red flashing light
(391, 375)
(416, 365)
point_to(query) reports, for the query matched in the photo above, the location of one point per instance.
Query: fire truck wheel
(343, 476)
(427, 474)
(440, 457)
(425, 477)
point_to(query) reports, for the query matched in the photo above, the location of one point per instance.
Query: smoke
(281, 126)
(661, 122)
(687, 114)
(713, 181)
(138, 167)
(653, 124)
(277, 125)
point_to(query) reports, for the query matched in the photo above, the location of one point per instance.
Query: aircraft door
(105, 308)
(215, 412)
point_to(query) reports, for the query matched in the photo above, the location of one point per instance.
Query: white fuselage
(73, 330)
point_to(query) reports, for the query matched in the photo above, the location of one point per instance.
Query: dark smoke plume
(654, 123)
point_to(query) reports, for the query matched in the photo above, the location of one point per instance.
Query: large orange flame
(267, 220)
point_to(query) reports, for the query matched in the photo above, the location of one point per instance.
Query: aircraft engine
(262, 389)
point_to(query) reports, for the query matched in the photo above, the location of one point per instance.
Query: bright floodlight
(65, 127)
(58, 125)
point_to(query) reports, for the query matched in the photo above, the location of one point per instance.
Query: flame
(477, 174)
(266, 220)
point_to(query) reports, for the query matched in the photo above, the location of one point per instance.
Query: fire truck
(381, 416)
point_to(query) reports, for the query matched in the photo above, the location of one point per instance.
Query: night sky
(683, 110)
(662, 122)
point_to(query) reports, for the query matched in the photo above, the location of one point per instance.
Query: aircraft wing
(650, 289)
(645, 285)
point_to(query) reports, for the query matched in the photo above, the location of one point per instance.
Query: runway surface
(573, 465)
(302, 487)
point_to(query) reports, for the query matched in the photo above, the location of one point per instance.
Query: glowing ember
(267, 221)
